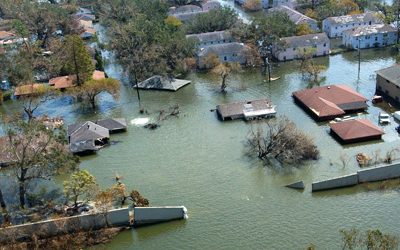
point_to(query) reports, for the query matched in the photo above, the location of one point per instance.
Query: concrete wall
(152, 215)
(339, 182)
(387, 87)
(379, 173)
(117, 217)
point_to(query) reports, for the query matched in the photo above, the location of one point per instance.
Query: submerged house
(296, 17)
(158, 82)
(113, 125)
(355, 131)
(328, 102)
(211, 38)
(388, 83)
(229, 52)
(87, 137)
(334, 26)
(63, 82)
(248, 110)
(376, 35)
(292, 47)
(28, 89)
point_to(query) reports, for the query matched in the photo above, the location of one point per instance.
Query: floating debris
(140, 121)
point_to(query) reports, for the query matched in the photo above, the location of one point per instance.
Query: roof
(98, 75)
(84, 16)
(63, 82)
(239, 108)
(112, 124)
(330, 101)
(306, 40)
(187, 16)
(221, 49)
(370, 29)
(211, 36)
(355, 129)
(364, 17)
(27, 89)
(86, 24)
(163, 83)
(294, 15)
(391, 74)
(6, 35)
(210, 5)
(88, 131)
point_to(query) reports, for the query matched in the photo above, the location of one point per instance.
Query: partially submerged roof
(354, 130)
(84, 136)
(294, 15)
(113, 124)
(238, 109)
(331, 101)
(63, 82)
(163, 83)
(391, 74)
(370, 29)
(356, 18)
(306, 40)
(211, 36)
(98, 75)
(221, 49)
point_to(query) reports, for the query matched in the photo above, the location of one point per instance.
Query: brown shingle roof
(63, 82)
(356, 130)
(330, 101)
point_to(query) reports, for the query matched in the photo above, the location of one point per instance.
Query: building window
(324, 44)
(294, 49)
(370, 22)
(376, 38)
(212, 42)
(225, 58)
(223, 40)
(335, 28)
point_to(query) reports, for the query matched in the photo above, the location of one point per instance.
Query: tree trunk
(22, 189)
(2, 202)
(93, 102)
(29, 113)
(137, 88)
(223, 84)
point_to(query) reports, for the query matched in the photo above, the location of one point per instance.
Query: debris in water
(140, 121)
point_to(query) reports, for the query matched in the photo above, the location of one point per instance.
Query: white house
(227, 52)
(334, 26)
(296, 17)
(291, 48)
(186, 13)
(377, 35)
(212, 38)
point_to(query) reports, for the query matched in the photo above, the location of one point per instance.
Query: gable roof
(163, 83)
(211, 36)
(330, 101)
(355, 129)
(112, 124)
(221, 49)
(370, 29)
(88, 131)
(238, 108)
(294, 15)
(391, 74)
(63, 82)
(306, 40)
(364, 17)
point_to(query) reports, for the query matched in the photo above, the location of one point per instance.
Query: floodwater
(233, 201)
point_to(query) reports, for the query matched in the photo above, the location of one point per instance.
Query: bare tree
(282, 141)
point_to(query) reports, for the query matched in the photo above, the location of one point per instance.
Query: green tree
(303, 29)
(77, 59)
(80, 185)
(213, 20)
(92, 88)
(37, 153)
(371, 240)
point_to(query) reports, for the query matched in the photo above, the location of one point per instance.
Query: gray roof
(392, 74)
(211, 36)
(370, 29)
(306, 40)
(187, 16)
(163, 83)
(88, 131)
(185, 9)
(86, 17)
(221, 49)
(112, 124)
(364, 17)
(294, 15)
(236, 108)
(210, 5)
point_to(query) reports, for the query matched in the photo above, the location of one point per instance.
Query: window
(223, 40)
(294, 49)
(370, 22)
(212, 42)
(347, 25)
(284, 58)
(335, 28)
(353, 24)
(324, 44)
(376, 38)
(225, 58)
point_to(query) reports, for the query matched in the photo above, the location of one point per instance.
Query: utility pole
(265, 52)
(359, 56)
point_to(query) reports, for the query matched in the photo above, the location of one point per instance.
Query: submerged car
(384, 118)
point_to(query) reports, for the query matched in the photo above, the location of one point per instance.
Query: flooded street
(233, 201)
